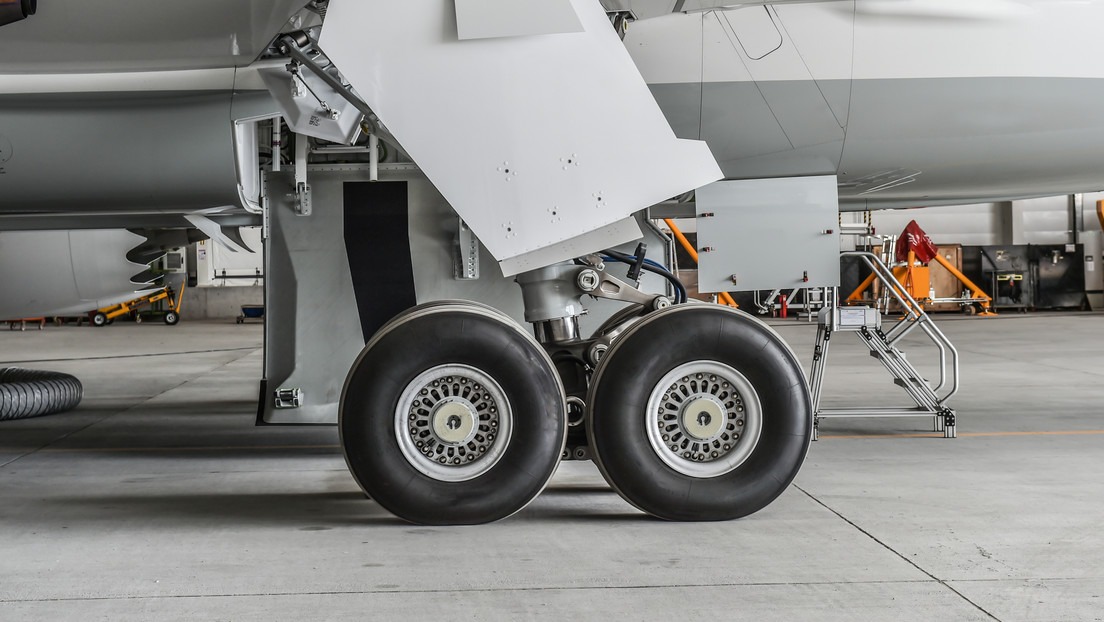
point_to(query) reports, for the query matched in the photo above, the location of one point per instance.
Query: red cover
(914, 239)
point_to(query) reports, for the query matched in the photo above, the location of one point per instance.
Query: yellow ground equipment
(105, 315)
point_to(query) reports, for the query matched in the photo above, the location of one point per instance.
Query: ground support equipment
(866, 324)
(107, 314)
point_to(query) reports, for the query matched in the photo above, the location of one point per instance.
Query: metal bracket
(467, 259)
(296, 44)
(289, 398)
(303, 204)
(612, 288)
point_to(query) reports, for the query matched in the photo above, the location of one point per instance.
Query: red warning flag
(914, 239)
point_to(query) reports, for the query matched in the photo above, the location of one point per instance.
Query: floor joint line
(895, 552)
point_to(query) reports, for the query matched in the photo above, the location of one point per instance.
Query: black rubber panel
(377, 243)
(28, 393)
(638, 361)
(452, 334)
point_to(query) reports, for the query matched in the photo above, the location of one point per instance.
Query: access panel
(765, 234)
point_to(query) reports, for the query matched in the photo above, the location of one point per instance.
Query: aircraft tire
(699, 413)
(452, 414)
(26, 393)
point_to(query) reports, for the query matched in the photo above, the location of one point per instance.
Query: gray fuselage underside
(903, 142)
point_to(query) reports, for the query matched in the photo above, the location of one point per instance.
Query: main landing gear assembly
(455, 414)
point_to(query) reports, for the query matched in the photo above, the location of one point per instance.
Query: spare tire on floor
(32, 393)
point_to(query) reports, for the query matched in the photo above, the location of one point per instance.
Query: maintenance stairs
(866, 323)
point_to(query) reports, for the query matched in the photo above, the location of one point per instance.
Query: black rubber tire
(26, 393)
(172, 318)
(99, 319)
(649, 350)
(453, 333)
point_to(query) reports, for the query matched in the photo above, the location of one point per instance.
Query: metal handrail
(915, 316)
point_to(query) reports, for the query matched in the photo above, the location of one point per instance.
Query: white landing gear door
(543, 143)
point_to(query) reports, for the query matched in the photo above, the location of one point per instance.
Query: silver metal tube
(277, 131)
(373, 157)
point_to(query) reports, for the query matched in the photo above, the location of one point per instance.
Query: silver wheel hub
(704, 419)
(453, 422)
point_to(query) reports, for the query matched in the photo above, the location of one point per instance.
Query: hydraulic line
(650, 266)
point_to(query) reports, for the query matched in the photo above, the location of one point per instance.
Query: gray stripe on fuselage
(971, 139)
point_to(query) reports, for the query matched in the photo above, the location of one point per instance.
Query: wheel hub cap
(453, 422)
(704, 419)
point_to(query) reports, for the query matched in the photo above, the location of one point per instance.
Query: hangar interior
(505, 309)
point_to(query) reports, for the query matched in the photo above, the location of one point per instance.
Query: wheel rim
(453, 422)
(704, 419)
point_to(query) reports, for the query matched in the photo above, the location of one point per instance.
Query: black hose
(31, 393)
(654, 268)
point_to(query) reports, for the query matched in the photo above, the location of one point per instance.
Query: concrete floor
(159, 499)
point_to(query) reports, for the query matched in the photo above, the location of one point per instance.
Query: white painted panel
(768, 233)
(896, 39)
(667, 50)
(485, 19)
(535, 141)
(755, 30)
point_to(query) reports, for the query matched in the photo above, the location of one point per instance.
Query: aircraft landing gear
(699, 412)
(453, 414)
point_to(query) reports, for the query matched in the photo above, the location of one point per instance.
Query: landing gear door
(765, 234)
